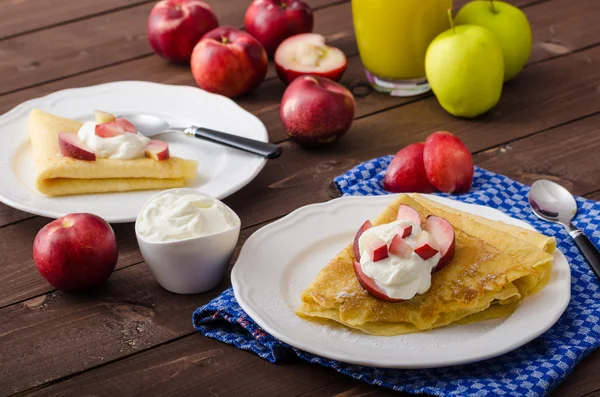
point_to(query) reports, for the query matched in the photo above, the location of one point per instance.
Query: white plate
(281, 259)
(221, 170)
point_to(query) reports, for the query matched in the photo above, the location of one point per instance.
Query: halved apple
(71, 146)
(443, 233)
(103, 117)
(408, 213)
(355, 247)
(369, 285)
(157, 150)
(425, 245)
(399, 247)
(307, 53)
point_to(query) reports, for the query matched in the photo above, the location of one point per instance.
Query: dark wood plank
(566, 155)
(20, 279)
(301, 177)
(92, 43)
(19, 17)
(594, 196)
(583, 380)
(128, 314)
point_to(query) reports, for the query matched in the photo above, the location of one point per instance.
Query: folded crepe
(57, 175)
(495, 266)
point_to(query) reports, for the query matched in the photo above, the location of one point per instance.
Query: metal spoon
(150, 125)
(552, 202)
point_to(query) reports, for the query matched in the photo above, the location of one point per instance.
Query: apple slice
(376, 248)
(404, 231)
(71, 146)
(157, 150)
(103, 117)
(399, 247)
(109, 130)
(443, 233)
(355, 248)
(126, 125)
(408, 213)
(307, 53)
(369, 285)
(425, 245)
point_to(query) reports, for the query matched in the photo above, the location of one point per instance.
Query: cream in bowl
(187, 239)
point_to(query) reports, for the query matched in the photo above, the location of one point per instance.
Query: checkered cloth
(532, 370)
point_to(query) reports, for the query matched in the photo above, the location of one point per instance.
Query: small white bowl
(192, 265)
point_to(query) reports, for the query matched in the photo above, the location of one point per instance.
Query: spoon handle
(264, 149)
(588, 249)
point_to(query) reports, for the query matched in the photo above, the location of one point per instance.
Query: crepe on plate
(495, 266)
(57, 175)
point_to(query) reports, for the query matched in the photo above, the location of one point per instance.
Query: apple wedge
(103, 117)
(443, 233)
(375, 247)
(126, 125)
(114, 128)
(307, 53)
(399, 247)
(157, 150)
(425, 245)
(71, 146)
(355, 248)
(369, 285)
(408, 213)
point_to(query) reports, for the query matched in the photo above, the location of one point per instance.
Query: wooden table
(133, 337)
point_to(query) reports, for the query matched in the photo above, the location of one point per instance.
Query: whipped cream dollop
(180, 215)
(397, 277)
(122, 147)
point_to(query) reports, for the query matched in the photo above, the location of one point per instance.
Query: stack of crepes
(58, 176)
(495, 267)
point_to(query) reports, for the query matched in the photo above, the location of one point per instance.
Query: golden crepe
(495, 266)
(58, 176)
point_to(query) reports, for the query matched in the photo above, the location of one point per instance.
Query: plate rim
(516, 343)
(23, 107)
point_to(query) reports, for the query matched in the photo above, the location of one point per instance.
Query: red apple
(448, 163)
(355, 248)
(316, 110)
(229, 62)
(375, 247)
(307, 54)
(408, 213)
(75, 252)
(404, 231)
(399, 247)
(71, 146)
(272, 21)
(103, 117)
(425, 245)
(406, 172)
(443, 233)
(176, 26)
(157, 150)
(369, 285)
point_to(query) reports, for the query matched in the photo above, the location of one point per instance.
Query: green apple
(465, 70)
(510, 26)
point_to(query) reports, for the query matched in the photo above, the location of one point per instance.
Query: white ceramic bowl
(192, 265)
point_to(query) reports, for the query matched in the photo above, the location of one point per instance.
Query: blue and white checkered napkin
(532, 370)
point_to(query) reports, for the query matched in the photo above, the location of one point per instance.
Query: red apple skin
(229, 62)
(443, 233)
(448, 163)
(406, 172)
(369, 285)
(76, 252)
(176, 26)
(355, 249)
(157, 150)
(316, 110)
(272, 21)
(71, 146)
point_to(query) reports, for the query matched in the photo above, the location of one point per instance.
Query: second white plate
(221, 170)
(280, 260)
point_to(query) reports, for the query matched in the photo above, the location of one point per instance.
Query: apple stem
(493, 6)
(224, 40)
(451, 20)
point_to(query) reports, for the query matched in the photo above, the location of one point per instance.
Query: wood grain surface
(131, 337)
